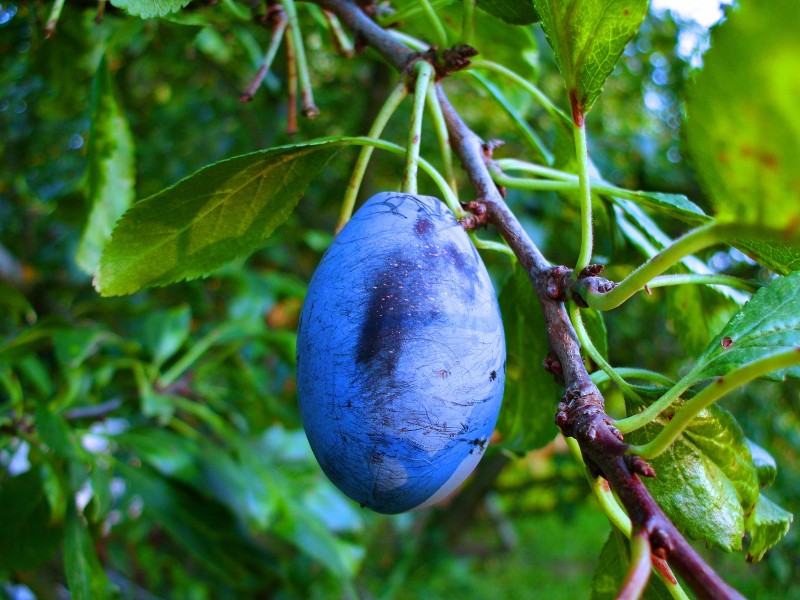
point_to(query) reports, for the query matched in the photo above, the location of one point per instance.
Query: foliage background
(170, 415)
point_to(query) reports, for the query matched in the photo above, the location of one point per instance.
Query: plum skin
(400, 355)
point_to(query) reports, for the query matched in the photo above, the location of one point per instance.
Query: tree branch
(582, 413)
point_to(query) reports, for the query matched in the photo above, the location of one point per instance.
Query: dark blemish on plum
(443, 373)
(492, 375)
(423, 226)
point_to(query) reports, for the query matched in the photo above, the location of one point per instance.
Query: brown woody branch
(581, 414)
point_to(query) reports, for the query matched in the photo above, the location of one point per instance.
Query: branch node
(552, 365)
(639, 465)
(479, 217)
(660, 540)
(557, 281)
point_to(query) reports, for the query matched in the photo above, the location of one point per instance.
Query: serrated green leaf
(516, 12)
(770, 524)
(778, 256)
(769, 323)
(743, 127)
(705, 481)
(86, 578)
(612, 568)
(221, 212)
(111, 171)
(766, 467)
(147, 9)
(531, 394)
(587, 37)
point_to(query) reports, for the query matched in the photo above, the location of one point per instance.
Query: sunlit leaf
(147, 9)
(587, 37)
(706, 481)
(770, 524)
(769, 323)
(743, 127)
(765, 464)
(223, 211)
(110, 175)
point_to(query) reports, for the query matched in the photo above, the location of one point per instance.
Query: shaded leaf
(743, 127)
(531, 394)
(25, 516)
(110, 175)
(706, 482)
(697, 313)
(86, 578)
(769, 323)
(770, 523)
(587, 37)
(147, 9)
(612, 568)
(223, 211)
(595, 325)
(165, 331)
(516, 12)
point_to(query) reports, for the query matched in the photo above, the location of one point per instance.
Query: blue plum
(400, 355)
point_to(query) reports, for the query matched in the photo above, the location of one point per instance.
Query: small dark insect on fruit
(399, 328)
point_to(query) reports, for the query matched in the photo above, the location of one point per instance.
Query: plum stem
(424, 72)
(378, 125)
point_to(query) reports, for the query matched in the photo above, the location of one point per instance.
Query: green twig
(494, 246)
(443, 137)
(272, 50)
(344, 45)
(447, 194)
(601, 377)
(467, 21)
(52, 20)
(706, 278)
(594, 354)
(514, 164)
(585, 193)
(435, 23)
(351, 194)
(307, 105)
(518, 183)
(531, 137)
(424, 73)
(534, 91)
(640, 569)
(713, 392)
(695, 240)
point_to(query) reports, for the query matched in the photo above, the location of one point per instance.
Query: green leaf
(28, 538)
(587, 37)
(677, 206)
(57, 435)
(612, 568)
(770, 524)
(595, 325)
(743, 127)
(221, 212)
(86, 578)
(697, 313)
(147, 9)
(531, 394)
(765, 465)
(769, 323)
(706, 481)
(74, 346)
(111, 171)
(516, 12)
(165, 331)
(778, 256)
